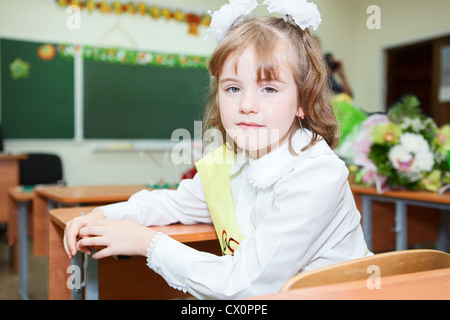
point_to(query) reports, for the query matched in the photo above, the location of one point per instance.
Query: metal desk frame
(22, 226)
(401, 216)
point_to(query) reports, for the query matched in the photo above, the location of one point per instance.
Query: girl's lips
(249, 125)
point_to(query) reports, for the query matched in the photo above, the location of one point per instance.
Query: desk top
(7, 156)
(427, 285)
(425, 196)
(89, 194)
(19, 194)
(179, 232)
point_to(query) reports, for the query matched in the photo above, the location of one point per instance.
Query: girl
(286, 208)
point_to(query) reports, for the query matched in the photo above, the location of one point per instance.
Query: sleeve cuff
(165, 253)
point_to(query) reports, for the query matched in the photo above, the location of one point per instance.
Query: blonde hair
(265, 35)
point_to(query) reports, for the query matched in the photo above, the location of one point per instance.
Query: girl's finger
(90, 242)
(83, 249)
(66, 248)
(70, 237)
(92, 231)
(103, 253)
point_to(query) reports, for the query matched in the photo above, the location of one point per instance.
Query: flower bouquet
(403, 149)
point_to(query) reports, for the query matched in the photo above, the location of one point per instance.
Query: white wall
(343, 31)
(402, 22)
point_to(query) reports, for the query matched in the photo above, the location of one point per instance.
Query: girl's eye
(233, 89)
(269, 90)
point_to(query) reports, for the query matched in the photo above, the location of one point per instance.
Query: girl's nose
(248, 103)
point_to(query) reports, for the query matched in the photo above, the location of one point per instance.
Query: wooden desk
(110, 278)
(18, 229)
(9, 177)
(427, 285)
(47, 198)
(402, 199)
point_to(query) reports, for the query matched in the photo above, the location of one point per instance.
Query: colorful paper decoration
(135, 57)
(19, 69)
(154, 11)
(46, 52)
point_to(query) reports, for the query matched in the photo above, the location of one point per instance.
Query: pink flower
(367, 177)
(405, 165)
(363, 142)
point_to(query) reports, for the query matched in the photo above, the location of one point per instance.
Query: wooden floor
(9, 280)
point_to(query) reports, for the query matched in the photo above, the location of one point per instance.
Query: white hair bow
(228, 14)
(303, 13)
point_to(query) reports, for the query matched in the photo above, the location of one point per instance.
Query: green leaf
(406, 107)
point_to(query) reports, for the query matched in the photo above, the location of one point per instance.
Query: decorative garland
(134, 57)
(118, 7)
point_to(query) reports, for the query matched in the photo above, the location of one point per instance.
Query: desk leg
(91, 278)
(23, 250)
(367, 220)
(87, 280)
(401, 216)
(77, 290)
(443, 226)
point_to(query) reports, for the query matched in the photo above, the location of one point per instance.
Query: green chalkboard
(141, 102)
(37, 98)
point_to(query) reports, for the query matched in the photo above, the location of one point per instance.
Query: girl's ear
(300, 113)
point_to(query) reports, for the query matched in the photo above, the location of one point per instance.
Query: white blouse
(297, 213)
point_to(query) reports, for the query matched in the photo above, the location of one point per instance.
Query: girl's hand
(116, 237)
(72, 230)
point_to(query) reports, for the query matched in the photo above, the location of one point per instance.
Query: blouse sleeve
(186, 205)
(302, 222)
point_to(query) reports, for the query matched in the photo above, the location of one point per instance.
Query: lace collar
(267, 170)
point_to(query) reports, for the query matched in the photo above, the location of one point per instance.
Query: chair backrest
(1, 139)
(389, 263)
(40, 168)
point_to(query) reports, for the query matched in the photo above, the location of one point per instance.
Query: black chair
(40, 168)
(1, 139)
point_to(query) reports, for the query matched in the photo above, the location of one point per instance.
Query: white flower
(305, 14)
(412, 155)
(400, 157)
(414, 142)
(413, 123)
(424, 162)
(226, 16)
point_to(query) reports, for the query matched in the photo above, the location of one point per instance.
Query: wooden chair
(390, 263)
